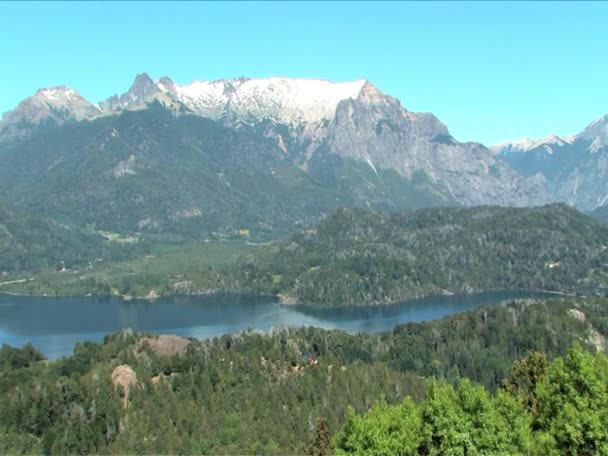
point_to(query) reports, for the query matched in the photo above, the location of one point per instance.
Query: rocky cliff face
(376, 129)
(142, 91)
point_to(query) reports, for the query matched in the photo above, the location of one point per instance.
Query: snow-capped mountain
(328, 130)
(596, 133)
(526, 144)
(58, 104)
(573, 169)
(287, 101)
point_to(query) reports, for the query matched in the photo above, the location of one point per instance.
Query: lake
(55, 325)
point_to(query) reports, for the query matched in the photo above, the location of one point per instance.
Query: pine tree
(320, 443)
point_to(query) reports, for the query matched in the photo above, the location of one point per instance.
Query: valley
(303, 228)
(357, 257)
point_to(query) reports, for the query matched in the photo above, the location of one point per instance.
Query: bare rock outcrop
(165, 344)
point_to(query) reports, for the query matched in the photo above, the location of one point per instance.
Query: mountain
(364, 257)
(572, 169)
(601, 213)
(255, 154)
(142, 90)
(49, 105)
(527, 144)
(150, 170)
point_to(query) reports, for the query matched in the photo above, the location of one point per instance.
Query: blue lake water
(55, 325)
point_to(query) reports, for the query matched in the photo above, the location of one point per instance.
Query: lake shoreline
(287, 300)
(56, 324)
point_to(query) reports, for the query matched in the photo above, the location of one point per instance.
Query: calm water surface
(55, 325)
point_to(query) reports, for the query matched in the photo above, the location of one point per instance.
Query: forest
(423, 387)
(361, 257)
(353, 257)
(30, 242)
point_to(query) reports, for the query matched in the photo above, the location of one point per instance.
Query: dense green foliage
(29, 242)
(367, 257)
(287, 391)
(564, 412)
(250, 394)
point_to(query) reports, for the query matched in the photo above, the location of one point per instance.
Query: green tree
(573, 405)
(527, 373)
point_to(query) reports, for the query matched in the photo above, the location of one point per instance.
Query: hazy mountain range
(263, 155)
(572, 169)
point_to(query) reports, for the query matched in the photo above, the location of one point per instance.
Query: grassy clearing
(164, 268)
(119, 238)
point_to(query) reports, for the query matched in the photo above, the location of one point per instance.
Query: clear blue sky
(490, 71)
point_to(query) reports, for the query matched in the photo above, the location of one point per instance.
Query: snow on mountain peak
(596, 132)
(58, 93)
(57, 98)
(527, 144)
(285, 100)
(58, 103)
(601, 120)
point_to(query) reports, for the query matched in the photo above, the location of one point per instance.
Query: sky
(490, 71)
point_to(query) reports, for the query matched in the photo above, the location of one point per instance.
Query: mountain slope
(573, 170)
(364, 257)
(601, 213)
(376, 129)
(321, 127)
(30, 242)
(151, 169)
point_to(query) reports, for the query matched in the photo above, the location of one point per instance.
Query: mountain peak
(142, 90)
(57, 103)
(596, 132)
(142, 85)
(601, 120)
(56, 93)
(166, 84)
(370, 92)
(143, 78)
(528, 144)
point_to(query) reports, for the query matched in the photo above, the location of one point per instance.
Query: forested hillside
(288, 391)
(30, 242)
(367, 257)
(353, 257)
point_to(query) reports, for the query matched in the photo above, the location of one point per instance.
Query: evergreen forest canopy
(366, 257)
(30, 242)
(508, 379)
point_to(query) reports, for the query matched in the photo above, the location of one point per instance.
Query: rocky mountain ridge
(348, 139)
(572, 169)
